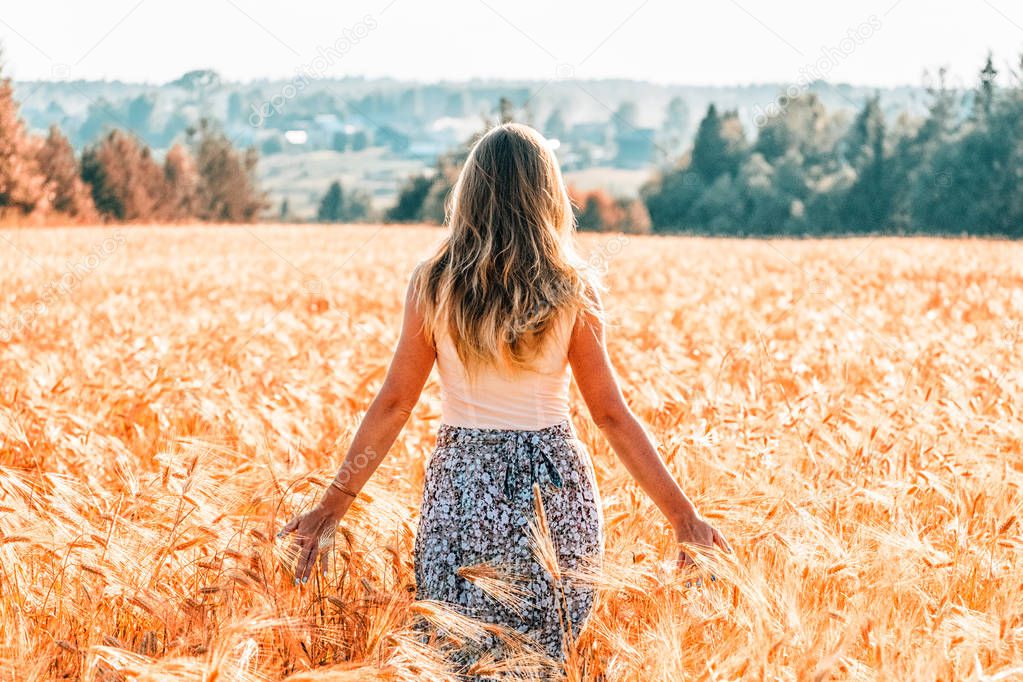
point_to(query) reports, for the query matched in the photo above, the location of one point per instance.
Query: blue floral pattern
(476, 509)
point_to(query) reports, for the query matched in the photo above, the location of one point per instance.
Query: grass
(847, 411)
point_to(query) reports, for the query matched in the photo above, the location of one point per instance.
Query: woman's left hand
(694, 530)
(314, 533)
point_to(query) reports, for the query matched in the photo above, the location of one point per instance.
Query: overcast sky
(867, 42)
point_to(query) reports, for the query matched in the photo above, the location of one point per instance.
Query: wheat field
(848, 412)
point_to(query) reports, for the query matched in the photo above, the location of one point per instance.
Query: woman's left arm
(410, 367)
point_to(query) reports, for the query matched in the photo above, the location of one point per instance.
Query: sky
(869, 42)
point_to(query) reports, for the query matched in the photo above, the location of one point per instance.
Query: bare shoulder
(415, 308)
(589, 320)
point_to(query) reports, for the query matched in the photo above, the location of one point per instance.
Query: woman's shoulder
(418, 283)
(418, 271)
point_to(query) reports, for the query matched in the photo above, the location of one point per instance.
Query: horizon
(496, 79)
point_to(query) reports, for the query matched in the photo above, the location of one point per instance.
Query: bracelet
(343, 488)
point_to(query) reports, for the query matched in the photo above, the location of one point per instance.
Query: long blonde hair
(508, 271)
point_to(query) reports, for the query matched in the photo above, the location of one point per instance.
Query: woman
(505, 308)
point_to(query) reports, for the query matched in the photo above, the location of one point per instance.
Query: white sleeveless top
(528, 399)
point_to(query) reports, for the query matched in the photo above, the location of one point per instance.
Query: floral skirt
(476, 549)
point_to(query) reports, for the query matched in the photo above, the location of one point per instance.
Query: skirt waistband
(450, 435)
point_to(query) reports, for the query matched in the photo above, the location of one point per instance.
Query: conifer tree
(66, 193)
(332, 204)
(127, 184)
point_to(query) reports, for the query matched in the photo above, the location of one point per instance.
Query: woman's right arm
(627, 437)
(409, 370)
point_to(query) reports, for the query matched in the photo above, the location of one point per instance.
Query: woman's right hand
(693, 530)
(314, 535)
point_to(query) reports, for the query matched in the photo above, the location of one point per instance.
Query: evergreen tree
(986, 91)
(910, 178)
(970, 181)
(357, 206)
(360, 140)
(127, 184)
(868, 202)
(66, 193)
(409, 207)
(597, 214)
(332, 205)
(670, 196)
(718, 148)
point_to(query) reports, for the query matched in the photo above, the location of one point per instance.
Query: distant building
(635, 147)
(595, 133)
(328, 122)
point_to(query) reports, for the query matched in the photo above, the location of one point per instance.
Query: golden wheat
(848, 412)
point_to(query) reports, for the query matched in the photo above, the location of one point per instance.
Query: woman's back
(525, 399)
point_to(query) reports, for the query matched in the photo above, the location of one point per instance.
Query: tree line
(807, 170)
(118, 179)
(959, 169)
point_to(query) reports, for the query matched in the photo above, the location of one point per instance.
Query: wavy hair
(508, 271)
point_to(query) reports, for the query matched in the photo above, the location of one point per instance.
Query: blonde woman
(507, 311)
